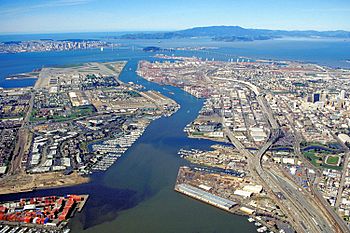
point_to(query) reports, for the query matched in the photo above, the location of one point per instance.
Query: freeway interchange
(307, 215)
(257, 105)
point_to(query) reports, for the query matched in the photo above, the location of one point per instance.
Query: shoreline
(19, 78)
(219, 140)
(27, 182)
(51, 180)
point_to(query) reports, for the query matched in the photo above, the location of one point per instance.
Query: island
(75, 121)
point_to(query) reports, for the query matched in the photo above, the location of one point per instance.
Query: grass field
(76, 113)
(333, 160)
(317, 158)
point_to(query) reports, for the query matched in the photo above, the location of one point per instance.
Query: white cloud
(14, 10)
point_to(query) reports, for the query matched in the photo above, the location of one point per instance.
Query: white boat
(251, 220)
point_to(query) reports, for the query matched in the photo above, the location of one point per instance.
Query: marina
(111, 150)
(183, 152)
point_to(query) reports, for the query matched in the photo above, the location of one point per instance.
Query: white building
(344, 138)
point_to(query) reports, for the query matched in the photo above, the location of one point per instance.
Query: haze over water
(136, 193)
(333, 53)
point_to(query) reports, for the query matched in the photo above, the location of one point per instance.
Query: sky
(48, 16)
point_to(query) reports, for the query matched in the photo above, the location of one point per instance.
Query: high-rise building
(342, 94)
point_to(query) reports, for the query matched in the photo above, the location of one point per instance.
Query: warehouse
(247, 210)
(258, 134)
(253, 188)
(344, 138)
(205, 196)
(242, 193)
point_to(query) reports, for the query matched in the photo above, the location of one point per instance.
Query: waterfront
(141, 183)
(324, 52)
(136, 194)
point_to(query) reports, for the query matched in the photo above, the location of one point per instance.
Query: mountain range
(236, 33)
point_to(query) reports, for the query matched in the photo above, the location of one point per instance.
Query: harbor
(126, 186)
(40, 214)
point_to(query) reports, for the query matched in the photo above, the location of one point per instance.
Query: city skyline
(58, 16)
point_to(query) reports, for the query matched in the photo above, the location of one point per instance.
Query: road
(22, 140)
(305, 215)
(334, 217)
(343, 175)
(300, 222)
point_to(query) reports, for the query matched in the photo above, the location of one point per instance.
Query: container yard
(40, 214)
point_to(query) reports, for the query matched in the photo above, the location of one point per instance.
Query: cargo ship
(40, 213)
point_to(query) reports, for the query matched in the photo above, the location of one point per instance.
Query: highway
(316, 195)
(343, 175)
(305, 214)
(304, 202)
(300, 222)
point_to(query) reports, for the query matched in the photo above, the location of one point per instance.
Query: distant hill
(236, 33)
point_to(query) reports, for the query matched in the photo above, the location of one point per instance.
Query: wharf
(82, 203)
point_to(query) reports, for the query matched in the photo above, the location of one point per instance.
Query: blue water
(136, 193)
(139, 187)
(333, 53)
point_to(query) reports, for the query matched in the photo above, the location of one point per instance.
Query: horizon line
(155, 30)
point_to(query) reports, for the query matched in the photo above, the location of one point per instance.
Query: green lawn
(76, 113)
(315, 160)
(333, 160)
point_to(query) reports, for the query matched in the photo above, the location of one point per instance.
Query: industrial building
(247, 210)
(344, 138)
(243, 193)
(253, 188)
(204, 196)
